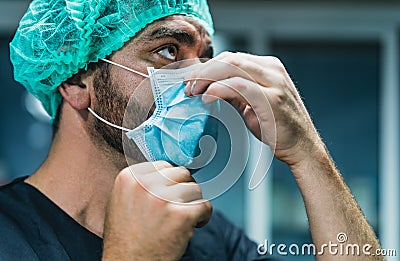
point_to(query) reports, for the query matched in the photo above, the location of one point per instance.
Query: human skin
(83, 175)
(331, 208)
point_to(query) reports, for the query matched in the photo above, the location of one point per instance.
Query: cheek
(140, 101)
(137, 93)
(131, 85)
(142, 93)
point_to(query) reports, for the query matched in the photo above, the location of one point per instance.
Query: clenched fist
(153, 210)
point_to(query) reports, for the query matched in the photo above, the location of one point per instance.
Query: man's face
(163, 42)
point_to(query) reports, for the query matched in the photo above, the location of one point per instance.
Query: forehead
(175, 22)
(177, 28)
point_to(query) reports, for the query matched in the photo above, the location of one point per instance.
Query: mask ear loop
(107, 122)
(126, 68)
(100, 118)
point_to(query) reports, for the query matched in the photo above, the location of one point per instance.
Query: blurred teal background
(343, 57)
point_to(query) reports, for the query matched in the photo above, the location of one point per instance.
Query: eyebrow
(180, 35)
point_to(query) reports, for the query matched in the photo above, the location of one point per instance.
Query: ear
(76, 94)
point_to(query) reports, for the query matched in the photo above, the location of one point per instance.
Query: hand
(257, 86)
(262, 91)
(147, 218)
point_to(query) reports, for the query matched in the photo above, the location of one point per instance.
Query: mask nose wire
(107, 122)
(126, 68)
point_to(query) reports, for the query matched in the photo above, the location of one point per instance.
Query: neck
(78, 177)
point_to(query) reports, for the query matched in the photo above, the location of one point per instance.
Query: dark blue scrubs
(32, 227)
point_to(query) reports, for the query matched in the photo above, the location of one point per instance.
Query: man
(85, 203)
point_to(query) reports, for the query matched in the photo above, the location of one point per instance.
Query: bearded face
(118, 92)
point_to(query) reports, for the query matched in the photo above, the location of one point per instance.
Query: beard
(112, 105)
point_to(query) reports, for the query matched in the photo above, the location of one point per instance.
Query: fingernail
(193, 86)
(188, 88)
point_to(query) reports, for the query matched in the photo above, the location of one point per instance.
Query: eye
(169, 52)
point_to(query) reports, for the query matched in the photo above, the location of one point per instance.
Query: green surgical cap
(57, 38)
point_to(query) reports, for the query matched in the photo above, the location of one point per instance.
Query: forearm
(331, 208)
(274, 112)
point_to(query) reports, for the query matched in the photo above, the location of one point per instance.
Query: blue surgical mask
(179, 122)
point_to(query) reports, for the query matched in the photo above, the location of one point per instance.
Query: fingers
(147, 167)
(243, 92)
(176, 185)
(173, 184)
(197, 214)
(171, 173)
(265, 71)
(176, 175)
(161, 225)
(204, 212)
(189, 193)
(209, 72)
(153, 174)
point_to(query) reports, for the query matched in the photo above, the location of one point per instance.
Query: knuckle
(126, 183)
(209, 210)
(184, 172)
(208, 206)
(196, 190)
(225, 54)
(147, 182)
(124, 177)
(165, 162)
(236, 63)
(279, 97)
(277, 63)
(161, 164)
(204, 206)
(232, 60)
(258, 70)
(273, 59)
(280, 80)
(238, 84)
